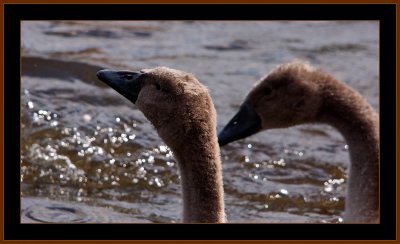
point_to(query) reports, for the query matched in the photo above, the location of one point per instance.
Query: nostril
(128, 77)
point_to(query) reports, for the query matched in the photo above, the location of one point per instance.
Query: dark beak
(245, 123)
(126, 83)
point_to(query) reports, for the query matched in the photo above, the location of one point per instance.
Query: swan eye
(267, 91)
(299, 104)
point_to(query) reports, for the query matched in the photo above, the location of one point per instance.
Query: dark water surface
(88, 155)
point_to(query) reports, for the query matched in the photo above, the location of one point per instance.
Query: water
(88, 155)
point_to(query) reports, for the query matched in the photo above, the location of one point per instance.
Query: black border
(385, 13)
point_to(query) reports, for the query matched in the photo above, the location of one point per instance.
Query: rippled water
(88, 155)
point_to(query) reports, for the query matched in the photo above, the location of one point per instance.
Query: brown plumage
(183, 114)
(296, 93)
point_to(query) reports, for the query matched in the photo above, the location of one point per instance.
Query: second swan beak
(246, 122)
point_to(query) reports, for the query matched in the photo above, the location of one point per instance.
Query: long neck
(348, 112)
(201, 177)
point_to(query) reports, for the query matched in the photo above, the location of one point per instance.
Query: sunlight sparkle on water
(87, 118)
(284, 191)
(332, 184)
(158, 182)
(43, 112)
(334, 199)
(280, 162)
(163, 149)
(150, 159)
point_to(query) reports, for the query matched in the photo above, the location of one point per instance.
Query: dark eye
(158, 87)
(267, 91)
(299, 104)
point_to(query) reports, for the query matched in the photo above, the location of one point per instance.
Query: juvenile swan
(183, 114)
(295, 93)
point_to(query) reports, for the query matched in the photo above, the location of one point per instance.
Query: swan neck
(356, 120)
(201, 177)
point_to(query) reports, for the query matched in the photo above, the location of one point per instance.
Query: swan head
(289, 95)
(174, 101)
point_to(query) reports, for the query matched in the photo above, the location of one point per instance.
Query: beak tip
(101, 73)
(222, 141)
(245, 123)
